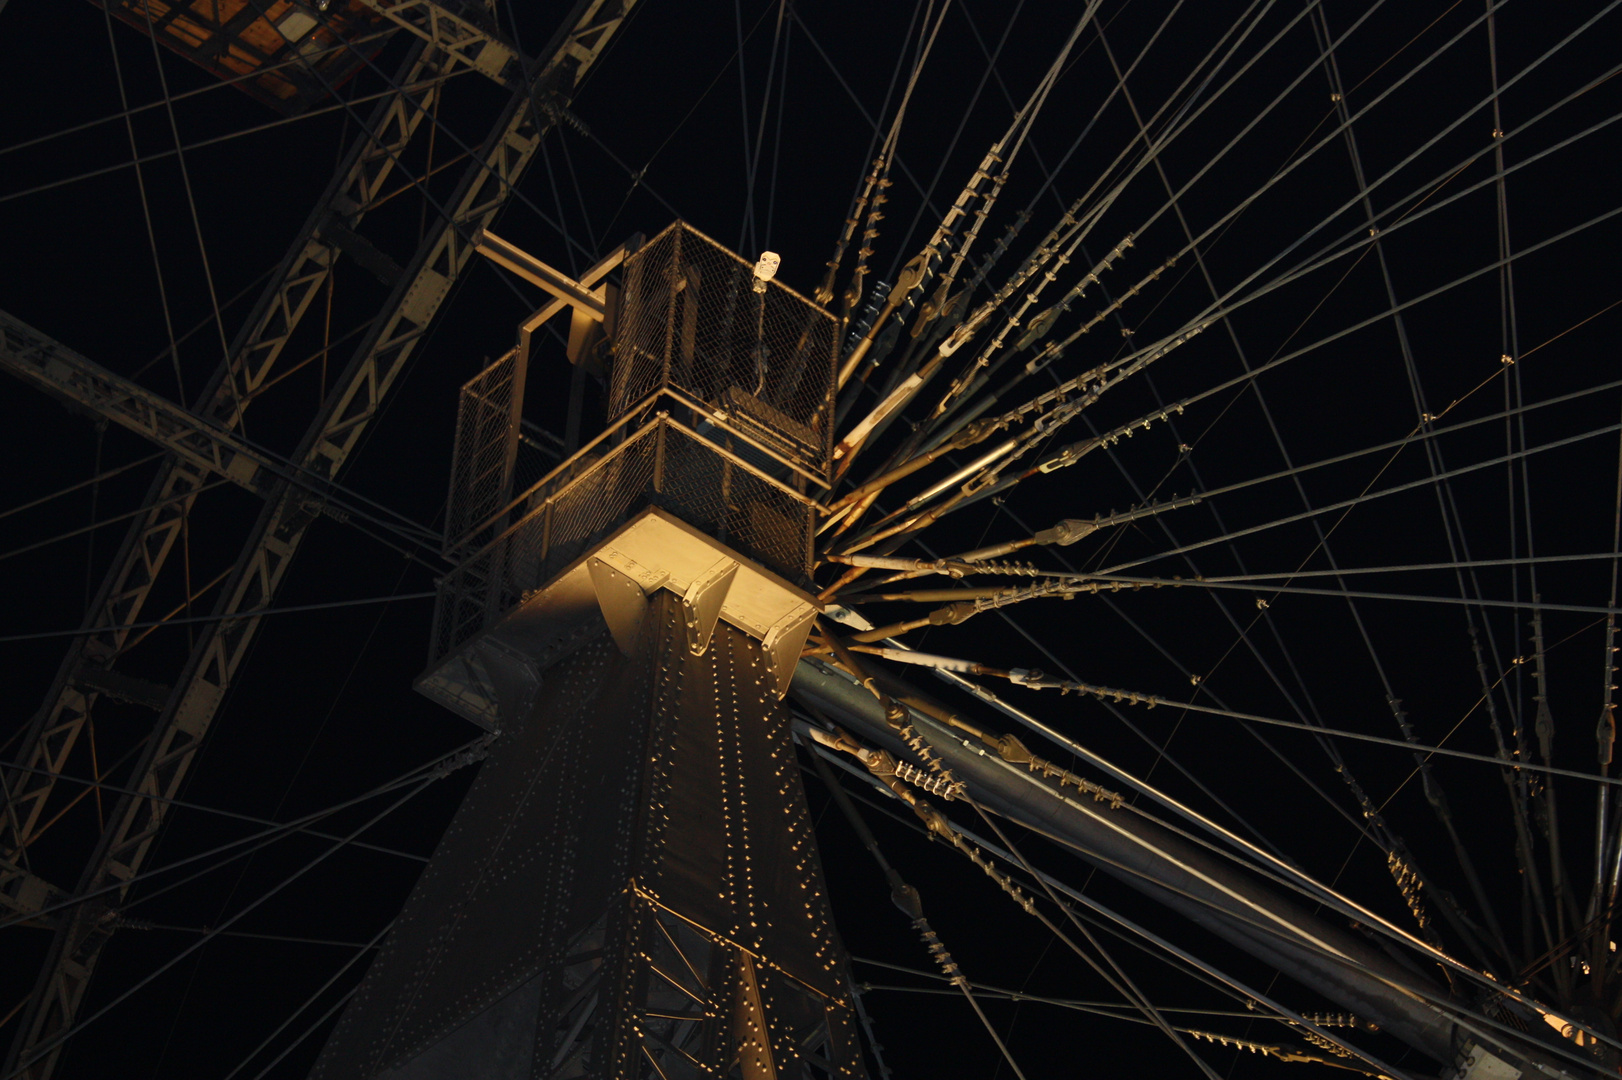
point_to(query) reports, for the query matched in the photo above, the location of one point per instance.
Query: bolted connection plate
(493, 676)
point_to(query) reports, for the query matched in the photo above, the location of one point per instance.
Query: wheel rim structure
(1272, 498)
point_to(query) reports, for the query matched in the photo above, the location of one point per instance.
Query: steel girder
(1241, 908)
(459, 36)
(631, 887)
(58, 370)
(146, 547)
(288, 512)
(51, 366)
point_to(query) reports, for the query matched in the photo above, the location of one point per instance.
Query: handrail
(667, 420)
(516, 500)
(721, 419)
(741, 261)
(661, 420)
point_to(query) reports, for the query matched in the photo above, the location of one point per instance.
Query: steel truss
(56, 369)
(289, 508)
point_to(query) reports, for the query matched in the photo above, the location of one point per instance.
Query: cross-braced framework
(416, 295)
(1203, 529)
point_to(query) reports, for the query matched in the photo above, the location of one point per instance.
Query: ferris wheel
(1171, 457)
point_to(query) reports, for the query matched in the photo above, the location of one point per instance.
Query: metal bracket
(703, 601)
(26, 894)
(590, 302)
(124, 687)
(612, 582)
(783, 642)
(622, 601)
(582, 318)
(367, 255)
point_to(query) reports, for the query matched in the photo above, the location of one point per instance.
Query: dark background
(322, 710)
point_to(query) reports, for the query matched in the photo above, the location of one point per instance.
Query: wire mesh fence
(690, 318)
(695, 477)
(536, 457)
(745, 509)
(482, 461)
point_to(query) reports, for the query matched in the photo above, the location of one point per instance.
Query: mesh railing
(581, 509)
(689, 318)
(481, 463)
(662, 464)
(534, 460)
(742, 508)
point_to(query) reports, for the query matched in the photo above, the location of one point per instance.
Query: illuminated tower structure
(631, 888)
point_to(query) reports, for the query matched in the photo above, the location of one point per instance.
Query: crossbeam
(599, 270)
(567, 290)
(461, 38)
(48, 365)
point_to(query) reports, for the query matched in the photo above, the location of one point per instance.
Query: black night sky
(755, 122)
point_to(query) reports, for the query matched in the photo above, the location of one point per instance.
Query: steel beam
(54, 732)
(50, 366)
(461, 38)
(394, 335)
(582, 298)
(56, 369)
(638, 834)
(1282, 932)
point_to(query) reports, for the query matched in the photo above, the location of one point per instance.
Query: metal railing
(695, 476)
(482, 462)
(690, 319)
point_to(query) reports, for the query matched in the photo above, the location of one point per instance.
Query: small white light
(766, 269)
